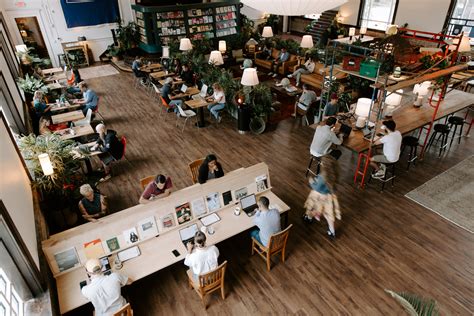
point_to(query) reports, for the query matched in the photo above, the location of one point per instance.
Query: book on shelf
(93, 249)
(66, 259)
(198, 207)
(131, 235)
(213, 202)
(147, 228)
(183, 213)
(167, 221)
(112, 244)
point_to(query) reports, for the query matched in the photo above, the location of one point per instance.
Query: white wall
(12, 85)
(53, 25)
(15, 191)
(423, 15)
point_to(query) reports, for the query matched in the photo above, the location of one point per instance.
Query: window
(377, 14)
(462, 18)
(10, 301)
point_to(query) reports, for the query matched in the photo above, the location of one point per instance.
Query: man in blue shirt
(282, 57)
(137, 63)
(89, 98)
(267, 221)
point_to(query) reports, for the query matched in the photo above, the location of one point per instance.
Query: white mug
(203, 229)
(237, 211)
(210, 230)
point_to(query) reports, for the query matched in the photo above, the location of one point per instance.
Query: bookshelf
(160, 24)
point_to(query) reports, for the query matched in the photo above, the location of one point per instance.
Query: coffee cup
(204, 229)
(210, 230)
(237, 211)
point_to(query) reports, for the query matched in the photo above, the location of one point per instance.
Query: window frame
(361, 12)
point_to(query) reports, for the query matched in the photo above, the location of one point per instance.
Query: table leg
(87, 161)
(201, 122)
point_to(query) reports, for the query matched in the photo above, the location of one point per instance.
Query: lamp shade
(185, 44)
(21, 48)
(307, 41)
(216, 58)
(465, 45)
(394, 98)
(267, 32)
(46, 165)
(293, 7)
(166, 52)
(251, 42)
(363, 107)
(222, 46)
(363, 30)
(352, 31)
(422, 88)
(392, 29)
(249, 78)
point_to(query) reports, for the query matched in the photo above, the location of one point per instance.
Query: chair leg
(283, 254)
(269, 260)
(460, 134)
(454, 134)
(253, 250)
(309, 167)
(184, 125)
(222, 291)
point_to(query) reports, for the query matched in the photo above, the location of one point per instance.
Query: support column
(285, 24)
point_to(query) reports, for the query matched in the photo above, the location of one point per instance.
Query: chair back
(278, 240)
(123, 140)
(181, 111)
(87, 120)
(126, 310)
(194, 169)
(71, 81)
(163, 102)
(145, 181)
(213, 279)
(156, 89)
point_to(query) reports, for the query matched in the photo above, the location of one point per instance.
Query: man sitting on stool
(324, 138)
(267, 221)
(104, 290)
(392, 141)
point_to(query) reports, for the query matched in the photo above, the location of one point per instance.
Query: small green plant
(415, 305)
(128, 36)
(29, 58)
(30, 84)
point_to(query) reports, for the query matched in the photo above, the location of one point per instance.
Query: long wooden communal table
(64, 107)
(156, 252)
(409, 118)
(79, 131)
(161, 74)
(67, 117)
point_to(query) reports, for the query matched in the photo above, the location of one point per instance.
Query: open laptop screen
(203, 91)
(184, 88)
(248, 201)
(188, 232)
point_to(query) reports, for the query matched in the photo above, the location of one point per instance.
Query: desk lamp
(249, 79)
(362, 111)
(46, 165)
(420, 90)
(267, 32)
(392, 102)
(185, 45)
(215, 58)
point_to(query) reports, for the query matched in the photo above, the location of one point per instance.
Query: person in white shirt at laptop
(267, 220)
(217, 101)
(104, 290)
(392, 141)
(307, 68)
(324, 138)
(307, 98)
(201, 259)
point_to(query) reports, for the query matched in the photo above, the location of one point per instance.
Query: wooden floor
(384, 241)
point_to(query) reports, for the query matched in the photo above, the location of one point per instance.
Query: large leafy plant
(415, 305)
(261, 99)
(61, 156)
(128, 36)
(29, 58)
(30, 84)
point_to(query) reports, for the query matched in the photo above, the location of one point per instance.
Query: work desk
(156, 252)
(67, 117)
(408, 118)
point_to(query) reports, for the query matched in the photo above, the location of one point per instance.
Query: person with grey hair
(104, 291)
(93, 205)
(110, 146)
(165, 93)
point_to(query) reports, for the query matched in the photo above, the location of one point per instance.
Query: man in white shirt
(201, 259)
(104, 290)
(307, 68)
(392, 141)
(267, 220)
(306, 99)
(324, 137)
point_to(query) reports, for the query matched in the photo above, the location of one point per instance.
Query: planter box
(351, 63)
(369, 68)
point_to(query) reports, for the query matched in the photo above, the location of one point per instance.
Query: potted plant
(128, 36)
(115, 52)
(261, 101)
(30, 84)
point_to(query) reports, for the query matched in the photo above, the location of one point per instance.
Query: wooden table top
(151, 68)
(67, 117)
(190, 91)
(176, 80)
(66, 107)
(54, 86)
(51, 70)
(194, 104)
(409, 118)
(78, 131)
(161, 74)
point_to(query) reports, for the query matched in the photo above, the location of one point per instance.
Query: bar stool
(456, 121)
(389, 175)
(412, 142)
(443, 131)
(318, 161)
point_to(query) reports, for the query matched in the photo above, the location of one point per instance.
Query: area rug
(98, 71)
(450, 194)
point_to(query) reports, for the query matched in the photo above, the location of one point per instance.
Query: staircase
(322, 24)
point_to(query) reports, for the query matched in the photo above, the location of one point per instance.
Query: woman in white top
(217, 101)
(201, 259)
(307, 68)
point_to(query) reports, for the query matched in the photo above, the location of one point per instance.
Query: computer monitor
(203, 92)
(184, 88)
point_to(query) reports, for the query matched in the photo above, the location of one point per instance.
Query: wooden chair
(276, 244)
(164, 105)
(194, 169)
(126, 310)
(145, 181)
(209, 282)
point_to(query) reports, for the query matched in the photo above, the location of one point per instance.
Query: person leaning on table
(157, 189)
(104, 291)
(201, 259)
(93, 205)
(210, 169)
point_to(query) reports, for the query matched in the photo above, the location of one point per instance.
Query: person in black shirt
(210, 169)
(187, 75)
(93, 205)
(110, 146)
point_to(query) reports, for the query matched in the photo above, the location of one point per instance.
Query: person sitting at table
(267, 222)
(110, 146)
(157, 189)
(93, 205)
(217, 101)
(177, 66)
(266, 52)
(324, 138)
(89, 98)
(165, 93)
(392, 141)
(136, 65)
(187, 75)
(201, 259)
(39, 104)
(46, 127)
(210, 169)
(276, 63)
(331, 107)
(307, 68)
(103, 291)
(307, 98)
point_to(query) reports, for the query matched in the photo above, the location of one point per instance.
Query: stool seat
(456, 120)
(441, 128)
(410, 141)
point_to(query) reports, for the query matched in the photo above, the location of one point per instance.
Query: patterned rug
(98, 71)
(450, 194)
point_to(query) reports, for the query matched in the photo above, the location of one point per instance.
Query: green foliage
(75, 57)
(114, 51)
(60, 154)
(261, 99)
(128, 36)
(415, 305)
(292, 46)
(30, 84)
(435, 60)
(29, 58)
(238, 41)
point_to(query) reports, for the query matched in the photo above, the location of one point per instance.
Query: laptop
(249, 204)
(203, 92)
(187, 234)
(106, 269)
(345, 129)
(367, 132)
(184, 88)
